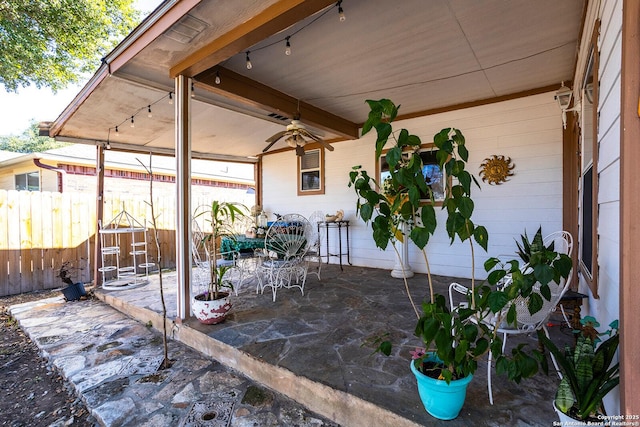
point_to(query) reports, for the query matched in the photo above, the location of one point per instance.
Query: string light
(117, 133)
(287, 50)
(193, 91)
(132, 123)
(287, 41)
(108, 145)
(170, 98)
(218, 77)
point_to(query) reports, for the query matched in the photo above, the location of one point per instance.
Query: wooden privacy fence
(39, 231)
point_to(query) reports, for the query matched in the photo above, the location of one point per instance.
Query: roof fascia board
(250, 92)
(163, 18)
(154, 25)
(270, 21)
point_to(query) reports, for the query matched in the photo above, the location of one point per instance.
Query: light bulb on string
(341, 14)
(218, 78)
(249, 65)
(117, 133)
(170, 98)
(149, 114)
(193, 91)
(132, 122)
(108, 147)
(287, 50)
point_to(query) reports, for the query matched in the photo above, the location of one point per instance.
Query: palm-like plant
(220, 216)
(588, 372)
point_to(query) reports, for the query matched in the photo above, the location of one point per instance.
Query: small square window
(28, 181)
(311, 171)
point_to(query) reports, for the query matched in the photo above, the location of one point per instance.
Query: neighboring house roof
(85, 155)
(8, 155)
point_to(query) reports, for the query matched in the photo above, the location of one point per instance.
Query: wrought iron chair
(526, 322)
(286, 242)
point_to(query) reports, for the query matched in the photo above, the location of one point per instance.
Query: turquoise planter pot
(441, 400)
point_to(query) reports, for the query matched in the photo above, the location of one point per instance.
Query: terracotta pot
(211, 312)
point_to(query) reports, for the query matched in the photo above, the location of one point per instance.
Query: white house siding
(607, 307)
(529, 130)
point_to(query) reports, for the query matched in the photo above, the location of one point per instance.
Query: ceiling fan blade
(277, 136)
(268, 146)
(308, 134)
(326, 145)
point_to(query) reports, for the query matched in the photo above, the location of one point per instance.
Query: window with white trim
(311, 172)
(28, 181)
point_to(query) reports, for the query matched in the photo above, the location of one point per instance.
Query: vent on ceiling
(186, 29)
(279, 117)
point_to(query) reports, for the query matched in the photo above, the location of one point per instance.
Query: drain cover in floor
(213, 413)
(141, 365)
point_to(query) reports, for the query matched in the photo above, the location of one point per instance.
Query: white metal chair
(526, 322)
(286, 243)
(313, 256)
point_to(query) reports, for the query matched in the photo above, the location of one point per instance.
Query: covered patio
(216, 79)
(317, 349)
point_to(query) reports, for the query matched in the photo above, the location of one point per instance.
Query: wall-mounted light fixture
(563, 97)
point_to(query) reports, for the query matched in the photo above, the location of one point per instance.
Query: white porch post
(402, 268)
(183, 187)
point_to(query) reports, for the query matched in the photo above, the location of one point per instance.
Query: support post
(183, 189)
(97, 252)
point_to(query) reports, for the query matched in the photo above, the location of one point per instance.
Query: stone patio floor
(317, 348)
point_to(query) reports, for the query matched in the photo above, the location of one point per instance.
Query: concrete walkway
(315, 348)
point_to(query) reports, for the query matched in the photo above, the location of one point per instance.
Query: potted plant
(453, 342)
(72, 291)
(212, 306)
(588, 372)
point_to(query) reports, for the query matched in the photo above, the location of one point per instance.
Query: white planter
(211, 312)
(566, 420)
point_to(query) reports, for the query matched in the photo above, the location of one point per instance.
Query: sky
(30, 103)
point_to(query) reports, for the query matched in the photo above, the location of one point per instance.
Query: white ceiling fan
(296, 136)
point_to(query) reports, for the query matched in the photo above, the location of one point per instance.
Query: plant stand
(124, 235)
(402, 268)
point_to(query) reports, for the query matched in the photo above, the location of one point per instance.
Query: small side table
(571, 302)
(342, 251)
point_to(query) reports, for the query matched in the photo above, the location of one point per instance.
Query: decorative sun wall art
(496, 169)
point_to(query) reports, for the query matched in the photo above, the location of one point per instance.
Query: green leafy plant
(588, 371)
(395, 211)
(220, 216)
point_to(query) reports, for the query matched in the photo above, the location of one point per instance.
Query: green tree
(29, 141)
(54, 42)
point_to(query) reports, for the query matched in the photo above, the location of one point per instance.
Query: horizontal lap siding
(528, 130)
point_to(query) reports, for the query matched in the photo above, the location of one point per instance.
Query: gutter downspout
(61, 172)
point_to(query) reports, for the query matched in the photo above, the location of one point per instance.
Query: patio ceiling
(425, 56)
